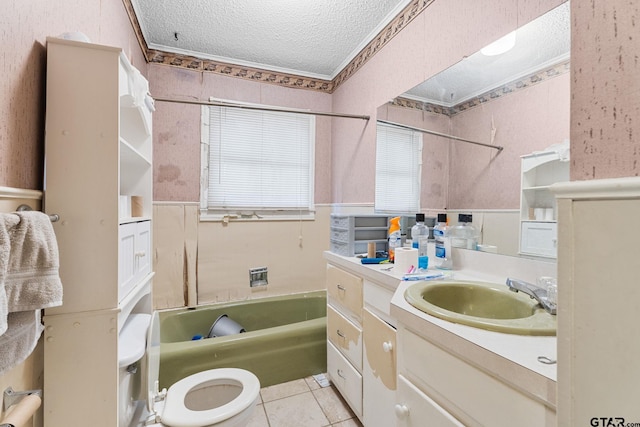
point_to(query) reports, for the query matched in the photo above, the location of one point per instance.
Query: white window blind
(398, 169)
(258, 162)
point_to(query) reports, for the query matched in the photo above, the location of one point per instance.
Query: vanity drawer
(345, 336)
(346, 290)
(346, 379)
(473, 396)
(415, 409)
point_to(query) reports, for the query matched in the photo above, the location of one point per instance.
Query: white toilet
(223, 397)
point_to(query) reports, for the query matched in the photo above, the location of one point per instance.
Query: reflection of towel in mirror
(31, 279)
(20, 339)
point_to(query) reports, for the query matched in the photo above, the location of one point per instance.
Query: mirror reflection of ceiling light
(501, 45)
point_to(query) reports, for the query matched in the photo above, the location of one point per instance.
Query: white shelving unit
(98, 151)
(538, 233)
(351, 234)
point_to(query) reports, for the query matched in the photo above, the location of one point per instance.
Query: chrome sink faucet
(535, 292)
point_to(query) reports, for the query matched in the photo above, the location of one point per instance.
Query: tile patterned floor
(302, 403)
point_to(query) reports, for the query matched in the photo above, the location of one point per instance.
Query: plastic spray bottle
(395, 238)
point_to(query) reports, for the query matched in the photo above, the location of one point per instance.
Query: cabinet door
(539, 238)
(416, 409)
(345, 289)
(142, 249)
(126, 258)
(472, 395)
(134, 255)
(379, 371)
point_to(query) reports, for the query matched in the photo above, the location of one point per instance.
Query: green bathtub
(285, 339)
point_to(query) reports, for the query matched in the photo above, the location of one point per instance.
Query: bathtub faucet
(535, 292)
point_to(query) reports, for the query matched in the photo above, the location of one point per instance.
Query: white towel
(31, 281)
(7, 222)
(20, 339)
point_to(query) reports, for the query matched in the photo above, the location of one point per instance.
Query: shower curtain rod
(262, 108)
(444, 135)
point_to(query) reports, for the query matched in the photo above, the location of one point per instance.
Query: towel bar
(12, 397)
(53, 217)
(26, 404)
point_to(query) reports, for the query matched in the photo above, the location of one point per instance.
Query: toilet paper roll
(405, 258)
(538, 214)
(548, 214)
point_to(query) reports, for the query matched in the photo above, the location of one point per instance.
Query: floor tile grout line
(309, 390)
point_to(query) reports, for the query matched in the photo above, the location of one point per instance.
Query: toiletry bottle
(464, 234)
(473, 234)
(395, 238)
(443, 244)
(417, 231)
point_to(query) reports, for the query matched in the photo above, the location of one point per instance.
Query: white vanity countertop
(519, 349)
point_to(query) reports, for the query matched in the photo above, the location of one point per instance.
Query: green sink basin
(482, 305)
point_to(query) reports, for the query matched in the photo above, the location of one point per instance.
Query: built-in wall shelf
(538, 208)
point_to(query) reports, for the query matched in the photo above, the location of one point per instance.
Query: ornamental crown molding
(491, 95)
(410, 12)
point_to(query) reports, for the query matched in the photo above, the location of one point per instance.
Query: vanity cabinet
(445, 389)
(98, 158)
(538, 218)
(414, 408)
(361, 348)
(344, 334)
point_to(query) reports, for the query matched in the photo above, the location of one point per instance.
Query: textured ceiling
(302, 37)
(544, 42)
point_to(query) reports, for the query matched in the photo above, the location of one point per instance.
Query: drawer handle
(402, 411)
(341, 375)
(387, 346)
(140, 254)
(339, 333)
(342, 288)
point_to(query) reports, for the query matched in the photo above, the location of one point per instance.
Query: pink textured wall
(525, 121)
(435, 151)
(604, 71)
(442, 35)
(605, 110)
(24, 27)
(176, 127)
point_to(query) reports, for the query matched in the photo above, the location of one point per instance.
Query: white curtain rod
(262, 108)
(444, 135)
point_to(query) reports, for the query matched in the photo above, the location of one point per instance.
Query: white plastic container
(464, 234)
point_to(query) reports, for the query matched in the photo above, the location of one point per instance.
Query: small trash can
(224, 326)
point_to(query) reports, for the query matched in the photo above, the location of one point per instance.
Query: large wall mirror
(518, 100)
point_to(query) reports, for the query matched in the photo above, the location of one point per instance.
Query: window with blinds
(398, 170)
(256, 164)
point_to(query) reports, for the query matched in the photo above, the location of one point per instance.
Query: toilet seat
(172, 409)
(176, 413)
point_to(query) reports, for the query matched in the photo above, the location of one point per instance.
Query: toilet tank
(131, 349)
